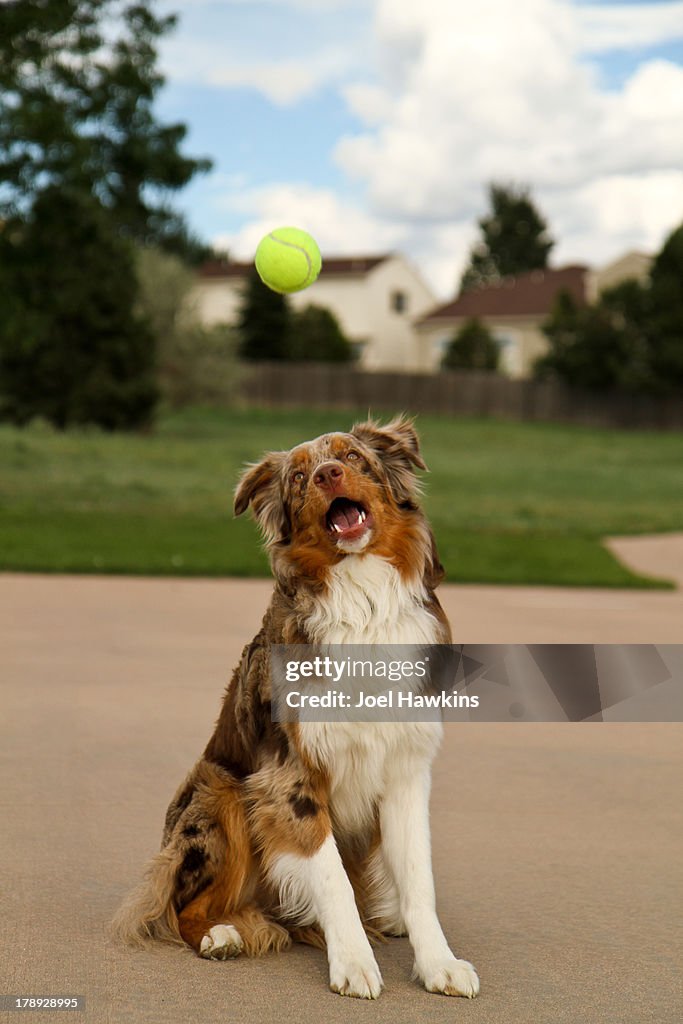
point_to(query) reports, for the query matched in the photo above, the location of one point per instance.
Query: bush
(195, 364)
(315, 336)
(473, 348)
(73, 349)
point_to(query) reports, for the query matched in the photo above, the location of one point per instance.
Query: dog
(317, 832)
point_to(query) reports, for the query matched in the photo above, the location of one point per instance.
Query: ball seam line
(299, 248)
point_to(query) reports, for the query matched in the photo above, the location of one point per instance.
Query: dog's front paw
(222, 942)
(450, 976)
(357, 977)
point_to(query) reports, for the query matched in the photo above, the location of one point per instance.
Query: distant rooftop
(529, 294)
(333, 266)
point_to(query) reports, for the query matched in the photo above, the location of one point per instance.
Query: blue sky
(376, 124)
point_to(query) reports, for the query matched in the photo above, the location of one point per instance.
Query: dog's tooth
(362, 515)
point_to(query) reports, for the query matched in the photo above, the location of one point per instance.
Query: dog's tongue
(344, 514)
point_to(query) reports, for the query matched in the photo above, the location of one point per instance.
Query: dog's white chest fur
(367, 602)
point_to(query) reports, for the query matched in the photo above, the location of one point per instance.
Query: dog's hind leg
(221, 933)
(205, 864)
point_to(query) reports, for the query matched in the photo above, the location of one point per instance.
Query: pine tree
(83, 164)
(71, 348)
(264, 323)
(78, 81)
(514, 239)
(630, 339)
(666, 317)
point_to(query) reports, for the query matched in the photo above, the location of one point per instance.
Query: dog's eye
(298, 477)
(352, 456)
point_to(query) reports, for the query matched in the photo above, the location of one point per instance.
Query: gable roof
(333, 266)
(529, 294)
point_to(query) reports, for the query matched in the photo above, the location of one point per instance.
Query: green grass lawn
(510, 502)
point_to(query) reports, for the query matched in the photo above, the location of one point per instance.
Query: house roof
(337, 266)
(529, 294)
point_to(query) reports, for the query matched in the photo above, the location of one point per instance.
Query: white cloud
(340, 227)
(281, 82)
(286, 50)
(609, 215)
(629, 26)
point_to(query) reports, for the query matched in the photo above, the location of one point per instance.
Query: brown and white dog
(317, 831)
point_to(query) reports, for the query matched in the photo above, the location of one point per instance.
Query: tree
(71, 348)
(630, 339)
(264, 322)
(514, 239)
(473, 348)
(666, 312)
(78, 82)
(603, 346)
(315, 336)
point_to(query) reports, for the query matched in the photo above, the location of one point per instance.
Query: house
(516, 308)
(632, 265)
(376, 299)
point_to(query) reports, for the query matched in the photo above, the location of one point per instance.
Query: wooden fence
(452, 393)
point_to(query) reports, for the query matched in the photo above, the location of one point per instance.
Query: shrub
(195, 364)
(472, 348)
(315, 336)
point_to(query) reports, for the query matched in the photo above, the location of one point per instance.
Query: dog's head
(341, 494)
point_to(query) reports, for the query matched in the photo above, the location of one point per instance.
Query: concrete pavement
(556, 846)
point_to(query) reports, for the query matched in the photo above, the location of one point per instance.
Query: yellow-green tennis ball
(288, 260)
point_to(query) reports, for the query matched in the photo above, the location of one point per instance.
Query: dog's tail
(149, 912)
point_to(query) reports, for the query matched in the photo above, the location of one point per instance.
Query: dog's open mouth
(347, 519)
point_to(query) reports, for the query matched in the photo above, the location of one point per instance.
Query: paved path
(556, 847)
(658, 554)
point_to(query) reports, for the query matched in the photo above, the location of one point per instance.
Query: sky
(376, 125)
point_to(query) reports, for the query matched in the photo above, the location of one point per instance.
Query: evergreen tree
(514, 239)
(666, 313)
(71, 348)
(316, 337)
(473, 348)
(600, 347)
(631, 339)
(264, 323)
(78, 81)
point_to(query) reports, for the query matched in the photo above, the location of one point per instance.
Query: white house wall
(395, 343)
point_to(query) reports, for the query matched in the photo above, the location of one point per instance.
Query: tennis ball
(288, 260)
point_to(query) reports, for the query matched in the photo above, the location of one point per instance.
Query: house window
(399, 301)
(508, 346)
(358, 348)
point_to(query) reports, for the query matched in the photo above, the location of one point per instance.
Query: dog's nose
(328, 476)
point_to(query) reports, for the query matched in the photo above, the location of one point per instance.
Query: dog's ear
(398, 447)
(259, 487)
